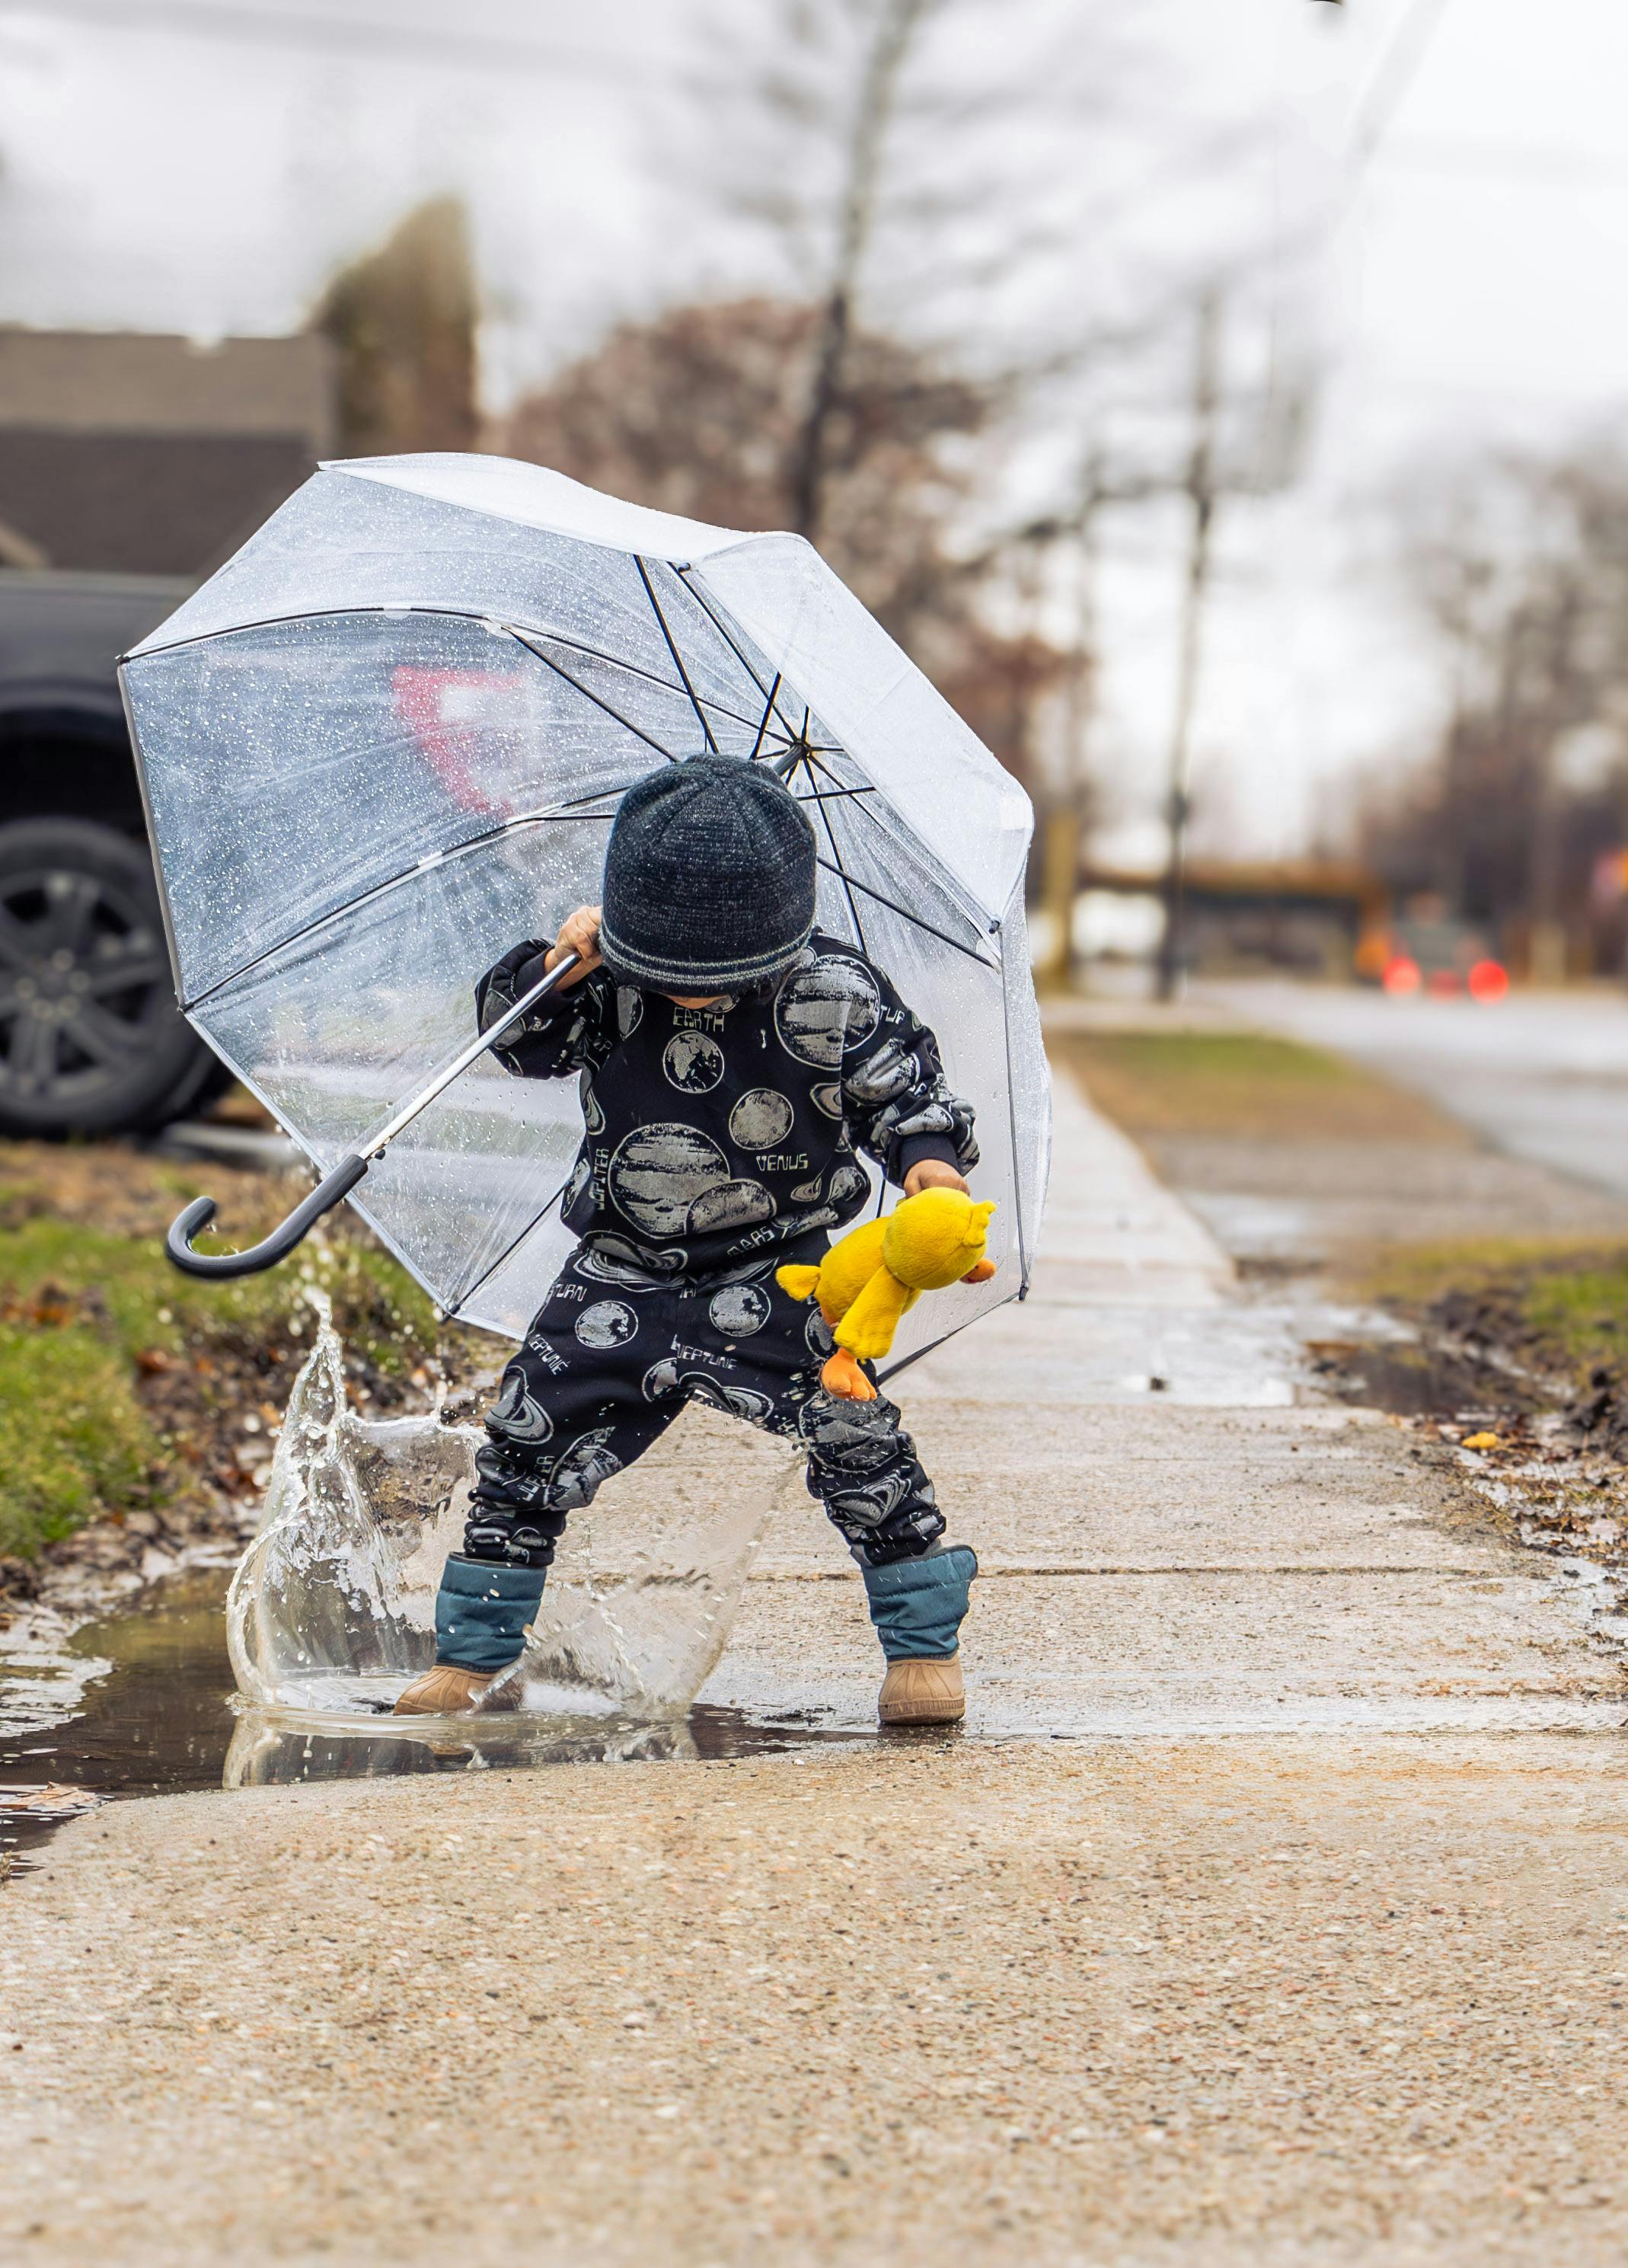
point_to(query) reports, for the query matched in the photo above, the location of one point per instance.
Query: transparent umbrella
(388, 740)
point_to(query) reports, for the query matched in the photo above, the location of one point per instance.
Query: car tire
(91, 1038)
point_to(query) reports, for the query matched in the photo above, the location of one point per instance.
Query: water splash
(332, 1609)
(640, 1639)
(333, 1604)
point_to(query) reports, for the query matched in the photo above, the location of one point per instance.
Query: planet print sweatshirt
(715, 1136)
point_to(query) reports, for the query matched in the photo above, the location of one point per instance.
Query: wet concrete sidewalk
(1335, 1982)
(1169, 1543)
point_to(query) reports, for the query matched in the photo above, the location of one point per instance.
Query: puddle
(286, 1669)
(160, 1717)
(155, 1716)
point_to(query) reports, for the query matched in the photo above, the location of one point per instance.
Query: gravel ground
(1298, 2000)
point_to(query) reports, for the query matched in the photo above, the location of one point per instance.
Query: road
(1270, 1910)
(1543, 1076)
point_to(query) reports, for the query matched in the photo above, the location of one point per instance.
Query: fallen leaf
(1480, 1441)
(55, 1796)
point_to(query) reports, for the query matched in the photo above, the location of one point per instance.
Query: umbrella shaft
(494, 1032)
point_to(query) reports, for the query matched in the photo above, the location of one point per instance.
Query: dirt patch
(1423, 1378)
(1543, 1326)
(1519, 1371)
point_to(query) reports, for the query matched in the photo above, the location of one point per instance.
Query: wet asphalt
(1542, 1076)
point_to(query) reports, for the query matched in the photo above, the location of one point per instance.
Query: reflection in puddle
(159, 1718)
(273, 1748)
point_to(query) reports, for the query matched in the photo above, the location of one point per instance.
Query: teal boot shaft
(482, 1610)
(917, 1604)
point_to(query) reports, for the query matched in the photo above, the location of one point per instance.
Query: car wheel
(91, 1038)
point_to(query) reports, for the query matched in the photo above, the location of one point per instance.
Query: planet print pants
(613, 1356)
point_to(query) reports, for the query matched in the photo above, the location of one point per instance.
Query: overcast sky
(1464, 288)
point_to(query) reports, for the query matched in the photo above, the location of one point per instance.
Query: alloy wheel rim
(84, 984)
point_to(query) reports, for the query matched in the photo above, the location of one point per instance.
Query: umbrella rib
(978, 918)
(655, 608)
(449, 614)
(916, 921)
(615, 661)
(512, 1246)
(1011, 1122)
(470, 615)
(480, 842)
(683, 573)
(932, 1345)
(768, 713)
(577, 687)
(852, 882)
(830, 836)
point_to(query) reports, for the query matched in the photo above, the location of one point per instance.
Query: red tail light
(1400, 974)
(1488, 980)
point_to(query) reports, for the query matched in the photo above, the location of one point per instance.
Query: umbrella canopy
(386, 740)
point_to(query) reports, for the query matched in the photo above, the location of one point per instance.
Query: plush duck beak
(981, 1274)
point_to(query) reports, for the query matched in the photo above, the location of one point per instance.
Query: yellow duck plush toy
(865, 1283)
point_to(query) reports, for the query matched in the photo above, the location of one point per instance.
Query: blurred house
(137, 453)
(1308, 917)
(129, 452)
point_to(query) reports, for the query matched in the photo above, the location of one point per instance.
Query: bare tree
(897, 24)
(901, 162)
(1200, 489)
(909, 167)
(701, 412)
(1519, 568)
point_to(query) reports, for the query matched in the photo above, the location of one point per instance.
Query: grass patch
(119, 1377)
(1243, 1084)
(128, 1287)
(1561, 1308)
(74, 1440)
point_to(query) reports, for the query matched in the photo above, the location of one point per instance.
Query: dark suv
(91, 1038)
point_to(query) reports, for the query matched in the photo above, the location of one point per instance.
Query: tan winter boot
(445, 1690)
(923, 1692)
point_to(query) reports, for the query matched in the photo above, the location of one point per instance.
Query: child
(730, 1058)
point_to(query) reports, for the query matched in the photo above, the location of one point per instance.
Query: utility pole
(1064, 825)
(898, 24)
(1199, 488)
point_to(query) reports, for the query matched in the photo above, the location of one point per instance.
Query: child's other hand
(933, 1174)
(579, 933)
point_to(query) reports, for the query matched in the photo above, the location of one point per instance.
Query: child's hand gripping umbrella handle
(350, 1170)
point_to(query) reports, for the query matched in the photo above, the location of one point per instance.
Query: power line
(1393, 74)
(1532, 161)
(380, 41)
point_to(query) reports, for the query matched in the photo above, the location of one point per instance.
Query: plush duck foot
(447, 1691)
(923, 1692)
(843, 1379)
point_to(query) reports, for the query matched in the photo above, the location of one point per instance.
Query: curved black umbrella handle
(282, 1239)
(348, 1171)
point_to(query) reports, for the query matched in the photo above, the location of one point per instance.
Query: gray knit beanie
(709, 878)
